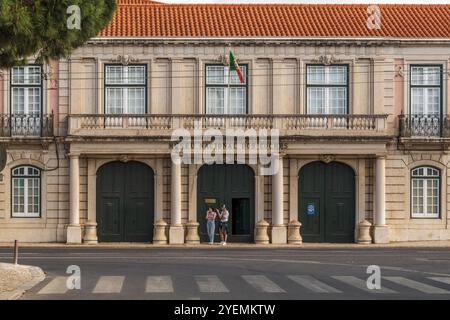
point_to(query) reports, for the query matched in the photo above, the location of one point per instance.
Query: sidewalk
(16, 279)
(304, 246)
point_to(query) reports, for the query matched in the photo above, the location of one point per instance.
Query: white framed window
(26, 192)
(327, 89)
(425, 90)
(125, 89)
(425, 192)
(225, 94)
(26, 90)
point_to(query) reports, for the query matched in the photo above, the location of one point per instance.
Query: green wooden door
(232, 185)
(125, 202)
(327, 202)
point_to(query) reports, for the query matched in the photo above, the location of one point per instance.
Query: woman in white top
(223, 216)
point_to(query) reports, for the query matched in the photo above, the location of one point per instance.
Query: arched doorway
(125, 204)
(234, 186)
(326, 202)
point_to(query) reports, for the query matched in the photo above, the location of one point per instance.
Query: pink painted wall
(399, 94)
(53, 96)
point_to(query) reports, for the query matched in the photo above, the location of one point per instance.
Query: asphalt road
(239, 274)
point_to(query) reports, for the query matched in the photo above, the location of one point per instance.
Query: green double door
(232, 185)
(326, 202)
(125, 200)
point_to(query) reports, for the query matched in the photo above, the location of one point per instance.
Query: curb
(233, 246)
(37, 276)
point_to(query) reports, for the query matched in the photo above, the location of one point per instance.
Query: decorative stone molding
(327, 59)
(327, 158)
(90, 233)
(160, 232)
(125, 59)
(364, 236)
(192, 236)
(262, 235)
(294, 236)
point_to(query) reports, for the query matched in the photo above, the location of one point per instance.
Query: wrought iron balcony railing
(26, 125)
(151, 125)
(424, 126)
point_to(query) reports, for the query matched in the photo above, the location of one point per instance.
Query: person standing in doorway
(223, 216)
(211, 224)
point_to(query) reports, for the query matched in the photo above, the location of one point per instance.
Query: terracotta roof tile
(145, 18)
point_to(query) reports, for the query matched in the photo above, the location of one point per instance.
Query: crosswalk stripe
(56, 286)
(422, 287)
(313, 284)
(159, 284)
(361, 284)
(263, 284)
(109, 284)
(210, 284)
(445, 280)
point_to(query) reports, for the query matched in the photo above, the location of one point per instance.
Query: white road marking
(263, 284)
(211, 284)
(313, 284)
(445, 280)
(361, 284)
(422, 287)
(159, 284)
(109, 284)
(56, 286)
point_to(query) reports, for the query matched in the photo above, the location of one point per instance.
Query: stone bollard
(294, 236)
(90, 233)
(160, 232)
(262, 235)
(364, 233)
(192, 236)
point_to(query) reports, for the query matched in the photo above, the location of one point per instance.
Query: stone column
(381, 230)
(74, 228)
(176, 231)
(279, 230)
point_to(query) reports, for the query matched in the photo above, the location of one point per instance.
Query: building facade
(362, 116)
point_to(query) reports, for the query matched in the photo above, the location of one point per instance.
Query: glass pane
(237, 101)
(337, 75)
(18, 101)
(235, 78)
(34, 101)
(136, 100)
(316, 74)
(323, 75)
(26, 75)
(215, 100)
(316, 100)
(136, 75)
(34, 75)
(424, 76)
(337, 101)
(114, 75)
(216, 75)
(114, 101)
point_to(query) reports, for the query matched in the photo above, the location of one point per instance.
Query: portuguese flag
(234, 66)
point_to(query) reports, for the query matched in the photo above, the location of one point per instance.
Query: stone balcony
(26, 126)
(100, 125)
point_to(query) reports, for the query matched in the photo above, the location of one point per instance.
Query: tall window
(327, 89)
(425, 188)
(126, 88)
(426, 87)
(26, 90)
(225, 94)
(26, 192)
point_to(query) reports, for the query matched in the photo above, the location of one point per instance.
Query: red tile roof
(145, 18)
